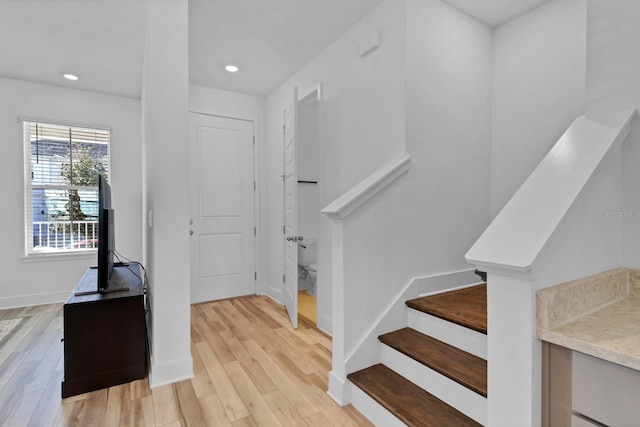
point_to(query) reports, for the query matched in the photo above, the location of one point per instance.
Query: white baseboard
(34, 299)
(338, 389)
(169, 373)
(457, 288)
(273, 293)
(325, 325)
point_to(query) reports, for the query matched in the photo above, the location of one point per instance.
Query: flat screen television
(106, 234)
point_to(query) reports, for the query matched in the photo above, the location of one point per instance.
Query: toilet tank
(307, 252)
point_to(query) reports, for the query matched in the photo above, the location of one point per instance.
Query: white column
(165, 104)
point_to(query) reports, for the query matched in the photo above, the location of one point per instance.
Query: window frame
(30, 251)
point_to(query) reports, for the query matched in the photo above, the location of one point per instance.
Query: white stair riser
(458, 336)
(372, 410)
(456, 395)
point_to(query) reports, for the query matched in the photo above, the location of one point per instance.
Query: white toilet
(307, 265)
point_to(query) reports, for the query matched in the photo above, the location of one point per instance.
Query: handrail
(522, 229)
(357, 195)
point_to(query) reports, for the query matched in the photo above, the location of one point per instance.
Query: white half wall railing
(552, 230)
(337, 211)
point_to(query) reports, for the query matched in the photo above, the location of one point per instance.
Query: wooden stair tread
(410, 403)
(458, 365)
(466, 307)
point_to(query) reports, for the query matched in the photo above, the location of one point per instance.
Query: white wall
(165, 105)
(245, 107)
(28, 283)
(361, 128)
(539, 62)
(425, 222)
(613, 83)
(218, 102)
(613, 62)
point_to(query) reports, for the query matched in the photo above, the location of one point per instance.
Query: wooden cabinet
(105, 341)
(581, 390)
(605, 392)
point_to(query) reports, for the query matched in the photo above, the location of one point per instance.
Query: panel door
(222, 208)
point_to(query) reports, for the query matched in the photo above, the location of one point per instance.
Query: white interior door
(290, 229)
(222, 208)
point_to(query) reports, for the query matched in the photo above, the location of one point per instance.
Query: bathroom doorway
(308, 209)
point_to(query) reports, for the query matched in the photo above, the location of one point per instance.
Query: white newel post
(338, 375)
(514, 352)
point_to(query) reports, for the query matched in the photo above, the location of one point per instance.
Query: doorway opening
(308, 209)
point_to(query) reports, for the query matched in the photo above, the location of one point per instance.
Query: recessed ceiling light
(69, 76)
(231, 68)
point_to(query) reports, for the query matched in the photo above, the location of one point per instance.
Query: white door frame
(258, 220)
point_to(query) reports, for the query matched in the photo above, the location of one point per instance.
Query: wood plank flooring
(307, 306)
(250, 369)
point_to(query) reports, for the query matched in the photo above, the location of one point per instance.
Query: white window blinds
(62, 164)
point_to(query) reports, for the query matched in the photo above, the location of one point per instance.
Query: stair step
(466, 307)
(410, 403)
(460, 366)
(466, 339)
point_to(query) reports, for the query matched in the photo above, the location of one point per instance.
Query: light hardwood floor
(251, 369)
(307, 307)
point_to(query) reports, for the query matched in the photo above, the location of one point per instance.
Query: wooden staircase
(433, 372)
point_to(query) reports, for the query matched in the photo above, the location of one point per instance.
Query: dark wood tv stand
(105, 340)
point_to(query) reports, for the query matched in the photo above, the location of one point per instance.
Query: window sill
(57, 256)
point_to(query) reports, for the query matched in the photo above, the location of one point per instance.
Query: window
(62, 164)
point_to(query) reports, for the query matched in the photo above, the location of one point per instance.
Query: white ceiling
(268, 39)
(102, 41)
(495, 12)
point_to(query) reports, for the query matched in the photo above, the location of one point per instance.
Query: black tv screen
(106, 234)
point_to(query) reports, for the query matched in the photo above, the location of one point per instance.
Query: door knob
(299, 238)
